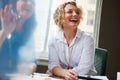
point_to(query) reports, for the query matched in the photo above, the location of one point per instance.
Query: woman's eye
(69, 11)
(77, 12)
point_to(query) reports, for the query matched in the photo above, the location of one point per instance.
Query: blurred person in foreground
(71, 51)
(17, 23)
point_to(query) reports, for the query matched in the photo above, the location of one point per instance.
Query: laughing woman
(16, 42)
(71, 52)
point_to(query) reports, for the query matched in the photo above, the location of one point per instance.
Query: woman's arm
(86, 61)
(54, 64)
(8, 22)
(27, 59)
(2, 38)
(68, 74)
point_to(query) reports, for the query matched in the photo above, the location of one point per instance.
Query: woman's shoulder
(87, 35)
(54, 39)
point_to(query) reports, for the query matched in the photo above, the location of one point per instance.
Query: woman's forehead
(70, 6)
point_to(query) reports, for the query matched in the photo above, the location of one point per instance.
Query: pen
(87, 78)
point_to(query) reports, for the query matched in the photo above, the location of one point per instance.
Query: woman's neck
(69, 35)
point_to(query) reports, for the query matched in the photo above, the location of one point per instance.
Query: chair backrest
(100, 61)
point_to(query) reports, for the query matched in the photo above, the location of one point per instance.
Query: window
(46, 27)
(90, 20)
(92, 1)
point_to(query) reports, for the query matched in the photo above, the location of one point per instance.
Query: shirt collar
(61, 37)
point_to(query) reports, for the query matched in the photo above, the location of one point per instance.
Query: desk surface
(41, 76)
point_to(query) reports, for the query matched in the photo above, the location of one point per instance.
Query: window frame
(97, 22)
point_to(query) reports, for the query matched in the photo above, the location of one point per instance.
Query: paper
(100, 77)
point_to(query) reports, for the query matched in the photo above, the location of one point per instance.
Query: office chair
(100, 61)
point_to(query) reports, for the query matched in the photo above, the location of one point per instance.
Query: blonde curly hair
(59, 13)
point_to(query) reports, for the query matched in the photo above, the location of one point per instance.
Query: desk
(100, 77)
(41, 76)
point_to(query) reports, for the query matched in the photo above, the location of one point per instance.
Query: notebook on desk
(85, 77)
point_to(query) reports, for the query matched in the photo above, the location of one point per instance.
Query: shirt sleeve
(86, 61)
(27, 52)
(53, 57)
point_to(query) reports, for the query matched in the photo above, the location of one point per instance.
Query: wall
(109, 35)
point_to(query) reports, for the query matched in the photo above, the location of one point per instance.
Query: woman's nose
(74, 13)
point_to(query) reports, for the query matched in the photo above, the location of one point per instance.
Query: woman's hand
(70, 75)
(26, 68)
(8, 20)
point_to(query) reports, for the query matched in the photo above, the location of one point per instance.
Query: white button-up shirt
(81, 51)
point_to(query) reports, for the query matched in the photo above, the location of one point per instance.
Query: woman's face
(71, 16)
(24, 8)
